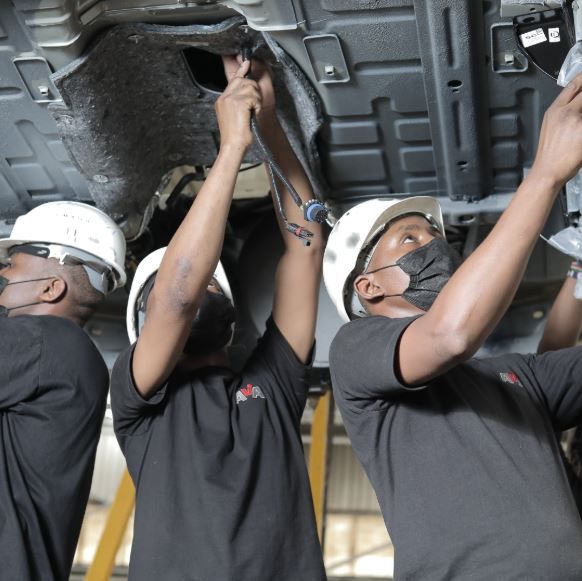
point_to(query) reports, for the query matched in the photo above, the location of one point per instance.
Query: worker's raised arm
(564, 320)
(299, 270)
(194, 250)
(478, 294)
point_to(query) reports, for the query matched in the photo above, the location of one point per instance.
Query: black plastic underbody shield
(545, 38)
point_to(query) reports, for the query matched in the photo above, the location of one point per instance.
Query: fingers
(234, 67)
(243, 87)
(243, 69)
(576, 102)
(570, 92)
(230, 65)
(243, 91)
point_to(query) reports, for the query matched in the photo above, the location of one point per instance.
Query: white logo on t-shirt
(252, 391)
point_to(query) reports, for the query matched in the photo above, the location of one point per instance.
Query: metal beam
(112, 535)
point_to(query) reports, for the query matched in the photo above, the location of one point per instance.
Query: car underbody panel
(99, 99)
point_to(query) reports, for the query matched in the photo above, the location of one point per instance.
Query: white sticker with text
(533, 37)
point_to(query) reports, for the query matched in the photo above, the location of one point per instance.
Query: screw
(100, 179)
(329, 70)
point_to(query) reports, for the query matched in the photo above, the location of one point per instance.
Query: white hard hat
(74, 230)
(146, 269)
(351, 238)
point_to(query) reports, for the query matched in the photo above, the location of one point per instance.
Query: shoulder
(356, 336)
(50, 324)
(274, 349)
(67, 331)
(63, 338)
(363, 362)
(52, 331)
(123, 385)
(21, 345)
(121, 372)
(13, 328)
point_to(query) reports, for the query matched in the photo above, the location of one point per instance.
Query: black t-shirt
(53, 392)
(467, 470)
(217, 460)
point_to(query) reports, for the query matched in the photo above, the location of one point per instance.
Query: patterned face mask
(429, 267)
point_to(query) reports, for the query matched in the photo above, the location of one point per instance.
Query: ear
(53, 290)
(365, 286)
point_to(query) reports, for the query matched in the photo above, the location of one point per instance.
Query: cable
(253, 166)
(313, 210)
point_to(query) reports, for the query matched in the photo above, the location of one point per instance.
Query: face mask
(4, 282)
(429, 267)
(212, 327)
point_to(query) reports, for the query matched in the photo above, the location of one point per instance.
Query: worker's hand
(559, 155)
(259, 73)
(234, 107)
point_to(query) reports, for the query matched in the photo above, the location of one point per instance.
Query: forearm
(195, 248)
(564, 321)
(482, 289)
(298, 273)
(285, 157)
(478, 294)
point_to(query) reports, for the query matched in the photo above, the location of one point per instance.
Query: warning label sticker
(554, 34)
(533, 37)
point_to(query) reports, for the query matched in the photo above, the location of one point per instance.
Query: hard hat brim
(424, 205)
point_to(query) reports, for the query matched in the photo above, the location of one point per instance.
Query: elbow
(178, 287)
(173, 301)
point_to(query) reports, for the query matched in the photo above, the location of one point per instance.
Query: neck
(395, 309)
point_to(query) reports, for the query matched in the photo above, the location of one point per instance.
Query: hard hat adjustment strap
(101, 276)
